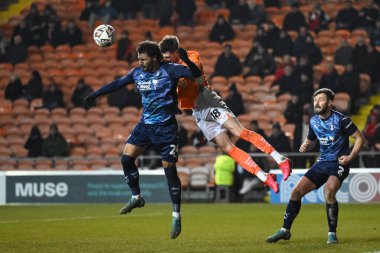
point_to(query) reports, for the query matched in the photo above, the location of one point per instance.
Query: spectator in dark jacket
(343, 55)
(13, 90)
(228, 63)
(55, 144)
(127, 96)
(73, 34)
(53, 97)
(186, 10)
(34, 87)
(53, 34)
(313, 52)
(17, 52)
(221, 31)
(34, 143)
(330, 79)
(239, 13)
(282, 45)
(256, 13)
(80, 92)
(294, 19)
(262, 63)
(347, 17)
(349, 82)
(108, 12)
(318, 20)
(375, 34)
(235, 101)
(125, 50)
(368, 15)
(369, 64)
(24, 31)
(294, 110)
(90, 13)
(278, 139)
(165, 12)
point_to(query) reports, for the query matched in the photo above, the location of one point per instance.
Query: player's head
(323, 100)
(149, 55)
(168, 46)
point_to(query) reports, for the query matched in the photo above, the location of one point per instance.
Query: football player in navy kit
(157, 83)
(332, 129)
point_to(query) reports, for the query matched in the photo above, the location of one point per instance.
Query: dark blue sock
(332, 211)
(292, 210)
(174, 185)
(131, 174)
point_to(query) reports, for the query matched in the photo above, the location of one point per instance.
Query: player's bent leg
(234, 126)
(304, 186)
(131, 175)
(245, 160)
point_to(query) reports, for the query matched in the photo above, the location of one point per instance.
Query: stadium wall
(27, 187)
(361, 186)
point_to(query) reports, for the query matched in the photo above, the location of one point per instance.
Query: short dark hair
(151, 48)
(329, 93)
(169, 43)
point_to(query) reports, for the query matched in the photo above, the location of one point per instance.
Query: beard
(320, 110)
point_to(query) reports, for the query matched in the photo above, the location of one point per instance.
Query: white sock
(177, 215)
(284, 229)
(277, 157)
(136, 196)
(262, 176)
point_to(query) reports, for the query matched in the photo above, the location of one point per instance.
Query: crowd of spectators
(274, 52)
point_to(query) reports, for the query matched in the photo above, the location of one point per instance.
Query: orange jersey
(188, 88)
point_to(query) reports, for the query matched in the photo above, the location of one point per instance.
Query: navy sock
(174, 185)
(131, 174)
(332, 211)
(291, 213)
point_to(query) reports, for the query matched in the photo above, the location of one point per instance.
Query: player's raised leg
(234, 126)
(245, 160)
(131, 175)
(303, 187)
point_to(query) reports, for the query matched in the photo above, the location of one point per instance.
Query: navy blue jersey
(332, 134)
(157, 89)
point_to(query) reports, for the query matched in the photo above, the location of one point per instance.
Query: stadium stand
(96, 136)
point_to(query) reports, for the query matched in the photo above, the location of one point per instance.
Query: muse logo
(48, 189)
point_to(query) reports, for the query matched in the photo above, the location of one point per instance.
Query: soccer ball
(104, 35)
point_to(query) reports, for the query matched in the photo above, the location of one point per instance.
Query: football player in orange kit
(213, 117)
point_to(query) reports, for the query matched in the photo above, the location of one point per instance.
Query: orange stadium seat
(189, 150)
(25, 165)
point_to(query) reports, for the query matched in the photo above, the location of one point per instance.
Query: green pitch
(205, 228)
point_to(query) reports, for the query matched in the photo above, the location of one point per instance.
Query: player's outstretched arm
(359, 142)
(307, 145)
(108, 88)
(192, 66)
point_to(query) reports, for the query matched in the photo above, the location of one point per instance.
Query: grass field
(206, 228)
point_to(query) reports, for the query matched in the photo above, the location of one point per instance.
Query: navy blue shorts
(163, 138)
(320, 172)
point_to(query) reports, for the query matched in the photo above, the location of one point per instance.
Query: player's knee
(127, 161)
(296, 194)
(330, 195)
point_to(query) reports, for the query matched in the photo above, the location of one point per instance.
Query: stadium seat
(25, 164)
(189, 150)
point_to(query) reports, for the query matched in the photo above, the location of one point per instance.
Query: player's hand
(182, 53)
(304, 147)
(88, 101)
(344, 160)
